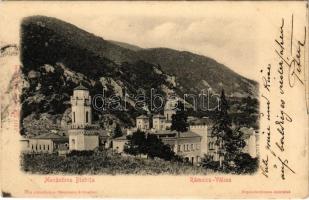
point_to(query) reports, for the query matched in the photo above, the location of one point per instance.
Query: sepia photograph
(153, 97)
(93, 105)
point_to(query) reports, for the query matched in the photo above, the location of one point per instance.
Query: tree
(136, 143)
(150, 145)
(229, 142)
(117, 131)
(179, 120)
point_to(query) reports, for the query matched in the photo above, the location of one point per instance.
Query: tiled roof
(51, 136)
(181, 134)
(80, 87)
(158, 116)
(124, 137)
(142, 117)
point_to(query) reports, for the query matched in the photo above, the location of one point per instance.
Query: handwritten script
(278, 79)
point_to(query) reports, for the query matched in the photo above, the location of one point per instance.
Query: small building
(185, 144)
(45, 143)
(249, 136)
(142, 122)
(119, 143)
(158, 122)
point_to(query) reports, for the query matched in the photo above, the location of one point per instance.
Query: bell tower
(82, 135)
(81, 107)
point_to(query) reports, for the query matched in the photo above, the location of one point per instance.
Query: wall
(142, 124)
(91, 142)
(118, 145)
(189, 148)
(202, 130)
(24, 145)
(76, 140)
(159, 124)
(41, 145)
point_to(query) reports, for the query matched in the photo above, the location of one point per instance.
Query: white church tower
(81, 135)
(81, 107)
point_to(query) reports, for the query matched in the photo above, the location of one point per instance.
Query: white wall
(202, 130)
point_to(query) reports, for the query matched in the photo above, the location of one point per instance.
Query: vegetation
(231, 143)
(103, 162)
(117, 131)
(179, 120)
(150, 145)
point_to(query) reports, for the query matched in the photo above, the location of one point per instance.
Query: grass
(103, 162)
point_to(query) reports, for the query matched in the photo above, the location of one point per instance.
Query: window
(184, 147)
(40, 147)
(47, 147)
(191, 147)
(86, 116)
(44, 147)
(74, 117)
(178, 148)
(32, 147)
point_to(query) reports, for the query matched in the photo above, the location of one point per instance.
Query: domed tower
(82, 136)
(81, 107)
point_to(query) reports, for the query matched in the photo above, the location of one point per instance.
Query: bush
(151, 145)
(80, 153)
(209, 163)
(103, 162)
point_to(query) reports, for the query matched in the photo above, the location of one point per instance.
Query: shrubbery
(103, 162)
(150, 145)
(243, 164)
(80, 153)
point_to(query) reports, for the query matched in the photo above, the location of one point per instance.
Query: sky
(228, 32)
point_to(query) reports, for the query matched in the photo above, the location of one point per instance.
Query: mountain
(57, 56)
(126, 45)
(196, 72)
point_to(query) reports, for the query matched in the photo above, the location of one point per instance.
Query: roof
(80, 87)
(186, 134)
(124, 137)
(159, 116)
(142, 117)
(51, 136)
(189, 134)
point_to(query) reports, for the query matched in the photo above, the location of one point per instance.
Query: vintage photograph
(94, 105)
(190, 99)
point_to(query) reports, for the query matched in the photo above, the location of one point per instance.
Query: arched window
(86, 116)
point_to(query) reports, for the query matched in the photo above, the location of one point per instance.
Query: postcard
(158, 99)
